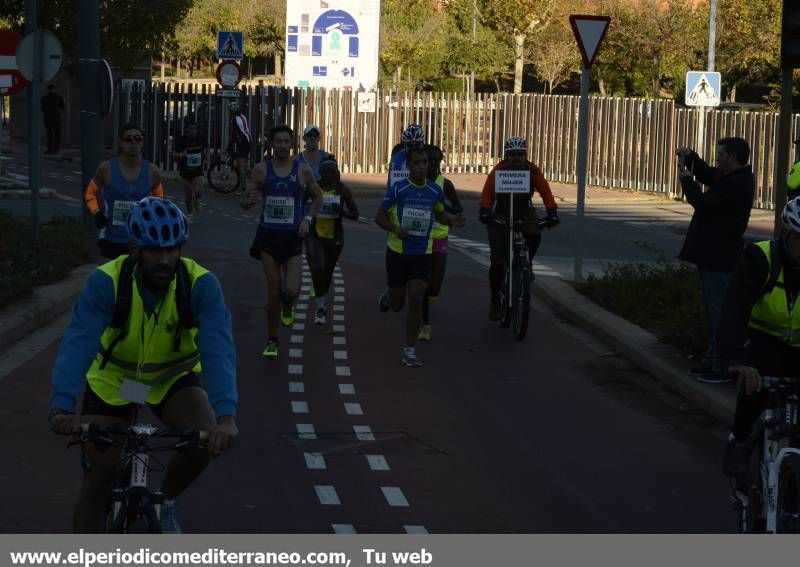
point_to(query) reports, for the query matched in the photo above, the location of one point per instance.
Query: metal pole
(474, 38)
(782, 155)
(33, 94)
(583, 146)
(91, 121)
(712, 34)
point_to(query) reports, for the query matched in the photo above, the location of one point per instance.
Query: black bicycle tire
(788, 493)
(522, 303)
(505, 306)
(218, 188)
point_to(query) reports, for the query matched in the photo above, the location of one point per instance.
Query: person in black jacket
(52, 106)
(714, 239)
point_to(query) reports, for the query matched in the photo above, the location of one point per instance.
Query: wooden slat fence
(632, 142)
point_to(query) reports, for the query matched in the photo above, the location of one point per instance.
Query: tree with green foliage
(486, 55)
(129, 31)
(748, 42)
(554, 53)
(519, 22)
(413, 33)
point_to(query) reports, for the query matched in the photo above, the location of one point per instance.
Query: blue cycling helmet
(413, 134)
(157, 223)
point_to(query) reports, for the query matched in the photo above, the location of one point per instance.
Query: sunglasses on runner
(135, 139)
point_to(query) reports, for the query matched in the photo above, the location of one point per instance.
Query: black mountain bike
(133, 507)
(515, 307)
(223, 176)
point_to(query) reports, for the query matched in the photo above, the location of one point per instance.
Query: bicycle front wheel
(223, 177)
(522, 301)
(788, 520)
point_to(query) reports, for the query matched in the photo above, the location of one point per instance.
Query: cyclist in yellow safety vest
(143, 329)
(759, 328)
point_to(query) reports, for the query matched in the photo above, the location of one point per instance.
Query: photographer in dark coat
(714, 239)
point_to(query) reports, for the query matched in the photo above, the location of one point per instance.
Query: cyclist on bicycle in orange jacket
(495, 203)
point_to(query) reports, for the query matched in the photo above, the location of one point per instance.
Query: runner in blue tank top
(281, 183)
(121, 181)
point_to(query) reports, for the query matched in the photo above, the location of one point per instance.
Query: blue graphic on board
(230, 45)
(336, 20)
(332, 44)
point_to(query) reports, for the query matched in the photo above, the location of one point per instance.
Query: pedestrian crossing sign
(703, 88)
(230, 45)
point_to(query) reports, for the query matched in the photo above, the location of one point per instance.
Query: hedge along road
(553, 434)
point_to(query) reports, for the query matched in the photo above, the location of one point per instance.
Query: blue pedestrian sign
(230, 45)
(703, 88)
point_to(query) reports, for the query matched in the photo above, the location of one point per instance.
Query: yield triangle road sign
(589, 32)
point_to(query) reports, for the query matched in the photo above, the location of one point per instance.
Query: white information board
(332, 43)
(506, 181)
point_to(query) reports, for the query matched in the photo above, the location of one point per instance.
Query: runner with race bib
(326, 239)
(123, 181)
(407, 214)
(281, 184)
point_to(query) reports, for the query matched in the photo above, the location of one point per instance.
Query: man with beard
(143, 329)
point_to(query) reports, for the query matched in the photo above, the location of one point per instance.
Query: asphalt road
(554, 434)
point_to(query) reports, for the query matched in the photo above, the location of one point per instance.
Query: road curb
(662, 362)
(45, 304)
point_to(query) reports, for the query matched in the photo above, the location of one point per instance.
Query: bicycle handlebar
(91, 432)
(518, 225)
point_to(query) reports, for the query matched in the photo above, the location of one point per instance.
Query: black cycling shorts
(240, 150)
(401, 268)
(94, 405)
(282, 245)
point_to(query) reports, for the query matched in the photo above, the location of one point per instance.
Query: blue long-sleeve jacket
(92, 314)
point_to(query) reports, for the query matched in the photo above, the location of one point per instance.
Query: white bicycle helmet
(413, 134)
(790, 217)
(515, 143)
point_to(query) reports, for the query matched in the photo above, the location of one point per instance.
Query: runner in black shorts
(191, 150)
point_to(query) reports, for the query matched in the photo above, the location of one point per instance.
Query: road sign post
(589, 32)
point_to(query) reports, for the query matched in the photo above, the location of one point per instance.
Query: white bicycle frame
(771, 460)
(140, 470)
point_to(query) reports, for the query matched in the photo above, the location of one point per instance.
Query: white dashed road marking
(315, 461)
(363, 433)
(306, 431)
(343, 529)
(347, 389)
(394, 496)
(297, 387)
(327, 495)
(377, 463)
(299, 407)
(353, 409)
(415, 530)
(343, 371)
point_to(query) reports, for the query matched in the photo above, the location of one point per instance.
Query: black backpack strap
(775, 265)
(122, 305)
(183, 298)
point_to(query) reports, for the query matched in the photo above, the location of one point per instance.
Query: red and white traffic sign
(229, 74)
(11, 80)
(589, 32)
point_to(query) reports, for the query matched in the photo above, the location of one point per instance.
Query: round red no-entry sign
(229, 74)
(11, 80)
